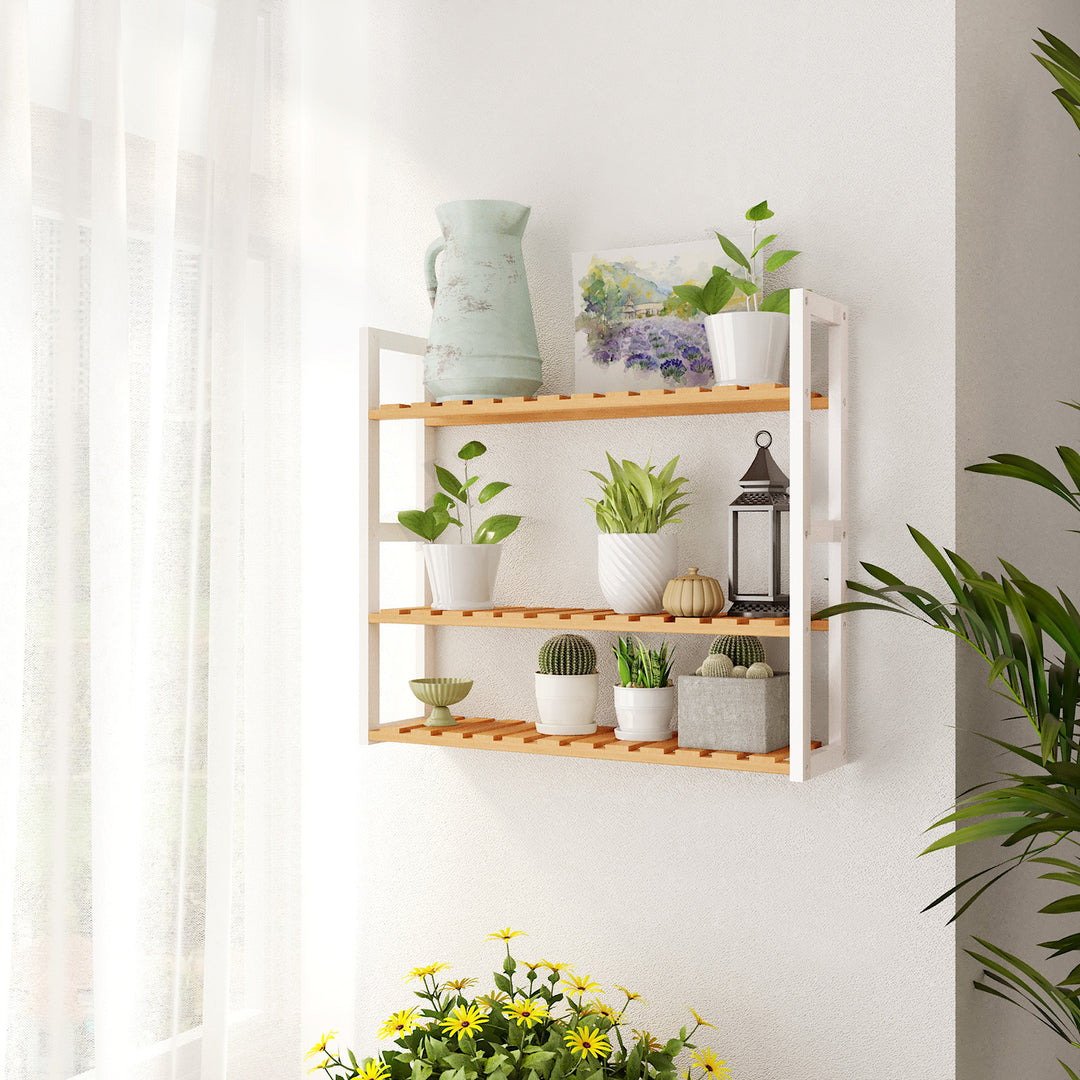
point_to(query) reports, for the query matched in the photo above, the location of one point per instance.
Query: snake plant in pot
(462, 575)
(645, 696)
(636, 560)
(747, 346)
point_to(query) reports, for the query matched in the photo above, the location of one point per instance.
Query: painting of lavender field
(631, 331)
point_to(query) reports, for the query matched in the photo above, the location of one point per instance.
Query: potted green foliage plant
(645, 695)
(747, 346)
(1029, 638)
(538, 1022)
(462, 575)
(636, 560)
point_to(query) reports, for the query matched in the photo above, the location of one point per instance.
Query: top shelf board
(692, 401)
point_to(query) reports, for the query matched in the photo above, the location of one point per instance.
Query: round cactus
(743, 649)
(567, 654)
(759, 671)
(739, 671)
(717, 666)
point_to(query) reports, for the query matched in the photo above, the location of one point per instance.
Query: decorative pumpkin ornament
(693, 596)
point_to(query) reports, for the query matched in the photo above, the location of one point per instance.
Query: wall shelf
(692, 401)
(587, 619)
(804, 758)
(482, 733)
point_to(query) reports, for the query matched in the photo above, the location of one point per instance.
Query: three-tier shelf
(804, 757)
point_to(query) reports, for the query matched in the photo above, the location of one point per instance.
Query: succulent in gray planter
(567, 686)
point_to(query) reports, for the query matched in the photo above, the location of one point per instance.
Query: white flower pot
(748, 346)
(644, 714)
(462, 576)
(634, 568)
(567, 703)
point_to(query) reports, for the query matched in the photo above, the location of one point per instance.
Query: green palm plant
(1064, 64)
(637, 499)
(1014, 624)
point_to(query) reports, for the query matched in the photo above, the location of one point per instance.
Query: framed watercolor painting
(631, 331)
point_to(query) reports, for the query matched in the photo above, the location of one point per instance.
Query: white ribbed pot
(748, 346)
(567, 703)
(634, 568)
(462, 576)
(644, 713)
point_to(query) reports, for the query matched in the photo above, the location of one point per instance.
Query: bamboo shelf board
(691, 401)
(588, 619)
(483, 733)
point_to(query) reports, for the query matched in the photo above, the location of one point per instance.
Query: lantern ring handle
(768, 436)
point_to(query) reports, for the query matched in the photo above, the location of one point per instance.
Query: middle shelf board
(552, 618)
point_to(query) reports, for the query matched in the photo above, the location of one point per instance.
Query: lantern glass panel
(755, 553)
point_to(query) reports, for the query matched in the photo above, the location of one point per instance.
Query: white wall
(788, 914)
(1018, 182)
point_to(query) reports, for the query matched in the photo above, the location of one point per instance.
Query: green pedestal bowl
(440, 693)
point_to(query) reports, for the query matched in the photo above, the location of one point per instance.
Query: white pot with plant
(645, 697)
(462, 575)
(567, 686)
(747, 346)
(635, 561)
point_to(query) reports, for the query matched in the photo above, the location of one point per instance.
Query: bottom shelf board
(482, 733)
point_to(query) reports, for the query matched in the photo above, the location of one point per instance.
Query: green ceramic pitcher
(482, 342)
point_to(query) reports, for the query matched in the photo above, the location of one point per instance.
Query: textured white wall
(787, 914)
(1018, 204)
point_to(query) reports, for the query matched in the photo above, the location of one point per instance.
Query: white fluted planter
(748, 346)
(462, 576)
(634, 568)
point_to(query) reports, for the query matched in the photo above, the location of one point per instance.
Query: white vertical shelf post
(373, 343)
(808, 308)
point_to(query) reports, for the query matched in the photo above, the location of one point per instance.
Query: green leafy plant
(430, 524)
(643, 667)
(1029, 636)
(536, 1024)
(1064, 64)
(716, 293)
(636, 499)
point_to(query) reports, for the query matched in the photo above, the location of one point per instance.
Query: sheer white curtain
(149, 545)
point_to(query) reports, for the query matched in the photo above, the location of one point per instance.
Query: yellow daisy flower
(630, 995)
(400, 1023)
(533, 967)
(580, 985)
(322, 1065)
(715, 1070)
(701, 1023)
(506, 935)
(460, 984)
(423, 972)
(555, 967)
(320, 1046)
(601, 1008)
(464, 1021)
(651, 1043)
(373, 1070)
(489, 1001)
(587, 1041)
(527, 1012)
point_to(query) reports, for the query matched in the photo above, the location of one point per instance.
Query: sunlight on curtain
(149, 543)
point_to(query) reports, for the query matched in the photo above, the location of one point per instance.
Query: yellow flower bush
(530, 1026)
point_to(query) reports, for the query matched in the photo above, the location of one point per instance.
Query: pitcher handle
(429, 267)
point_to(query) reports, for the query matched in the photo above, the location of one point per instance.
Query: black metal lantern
(765, 491)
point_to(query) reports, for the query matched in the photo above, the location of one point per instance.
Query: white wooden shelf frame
(807, 310)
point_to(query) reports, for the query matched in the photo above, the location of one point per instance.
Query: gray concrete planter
(746, 715)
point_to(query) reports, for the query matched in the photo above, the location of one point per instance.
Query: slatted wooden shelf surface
(691, 401)
(484, 733)
(588, 619)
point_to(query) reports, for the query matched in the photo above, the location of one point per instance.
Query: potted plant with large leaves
(462, 575)
(748, 346)
(636, 560)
